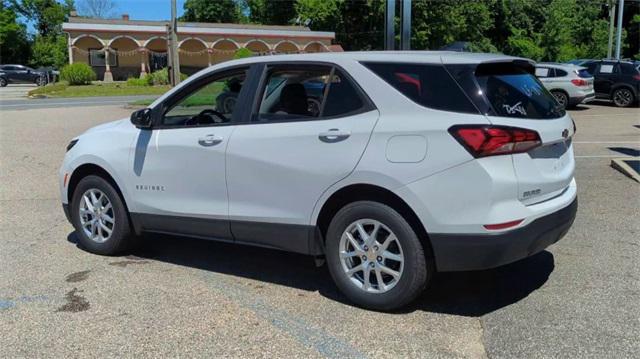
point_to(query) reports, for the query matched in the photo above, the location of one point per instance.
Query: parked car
(618, 81)
(569, 84)
(21, 74)
(415, 163)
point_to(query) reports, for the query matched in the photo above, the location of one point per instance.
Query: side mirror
(142, 118)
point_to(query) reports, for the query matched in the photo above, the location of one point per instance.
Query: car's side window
(210, 104)
(293, 93)
(560, 73)
(542, 72)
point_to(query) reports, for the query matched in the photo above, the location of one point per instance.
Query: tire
(41, 81)
(120, 238)
(3, 82)
(623, 97)
(415, 270)
(562, 98)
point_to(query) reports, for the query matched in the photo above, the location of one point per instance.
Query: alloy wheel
(96, 215)
(561, 98)
(622, 97)
(371, 256)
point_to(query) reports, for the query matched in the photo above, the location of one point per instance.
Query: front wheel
(41, 81)
(623, 97)
(3, 82)
(100, 217)
(375, 257)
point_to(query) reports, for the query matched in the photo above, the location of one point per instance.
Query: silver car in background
(569, 84)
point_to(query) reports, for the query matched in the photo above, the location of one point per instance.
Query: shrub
(161, 77)
(134, 81)
(242, 53)
(78, 74)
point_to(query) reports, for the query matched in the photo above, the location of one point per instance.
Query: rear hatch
(510, 95)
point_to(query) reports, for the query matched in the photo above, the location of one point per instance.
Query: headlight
(71, 144)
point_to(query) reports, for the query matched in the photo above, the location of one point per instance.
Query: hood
(106, 126)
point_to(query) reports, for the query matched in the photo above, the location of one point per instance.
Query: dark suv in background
(21, 74)
(618, 81)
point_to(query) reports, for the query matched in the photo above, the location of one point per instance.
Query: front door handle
(209, 140)
(334, 135)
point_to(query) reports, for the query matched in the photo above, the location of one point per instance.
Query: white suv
(569, 84)
(392, 165)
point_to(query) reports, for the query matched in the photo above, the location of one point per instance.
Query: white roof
(447, 57)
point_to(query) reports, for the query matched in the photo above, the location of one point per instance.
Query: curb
(621, 165)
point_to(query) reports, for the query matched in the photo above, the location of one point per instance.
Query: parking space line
(614, 142)
(605, 156)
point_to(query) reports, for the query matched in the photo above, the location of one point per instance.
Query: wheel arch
(369, 192)
(625, 85)
(88, 169)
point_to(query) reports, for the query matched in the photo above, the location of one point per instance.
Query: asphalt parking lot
(176, 296)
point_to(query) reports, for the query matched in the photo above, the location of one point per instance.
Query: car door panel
(277, 171)
(179, 167)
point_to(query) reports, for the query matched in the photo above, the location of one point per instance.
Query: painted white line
(635, 142)
(606, 156)
(608, 115)
(61, 104)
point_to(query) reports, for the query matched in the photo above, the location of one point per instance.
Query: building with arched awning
(118, 49)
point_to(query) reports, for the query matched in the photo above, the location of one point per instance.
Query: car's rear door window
(307, 92)
(429, 85)
(514, 92)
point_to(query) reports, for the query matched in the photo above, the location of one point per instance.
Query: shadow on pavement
(626, 151)
(459, 293)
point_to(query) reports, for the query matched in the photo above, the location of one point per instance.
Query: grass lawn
(106, 89)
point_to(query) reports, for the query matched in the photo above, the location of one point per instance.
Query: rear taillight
(637, 77)
(579, 82)
(485, 140)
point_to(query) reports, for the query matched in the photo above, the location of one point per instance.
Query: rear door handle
(209, 140)
(334, 135)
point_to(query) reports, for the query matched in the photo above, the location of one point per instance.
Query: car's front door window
(210, 104)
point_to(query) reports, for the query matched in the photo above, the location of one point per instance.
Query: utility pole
(173, 46)
(612, 14)
(619, 34)
(405, 32)
(389, 25)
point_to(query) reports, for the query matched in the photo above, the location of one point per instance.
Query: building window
(96, 57)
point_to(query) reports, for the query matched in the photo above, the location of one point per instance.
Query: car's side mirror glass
(141, 118)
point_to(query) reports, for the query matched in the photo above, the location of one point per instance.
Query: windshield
(514, 92)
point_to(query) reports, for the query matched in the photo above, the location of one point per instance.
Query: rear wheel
(562, 98)
(623, 97)
(375, 257)
(100, 217)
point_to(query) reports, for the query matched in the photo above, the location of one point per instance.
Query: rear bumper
(462, 252)
(583, 97)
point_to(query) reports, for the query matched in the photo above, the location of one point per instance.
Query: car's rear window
(514, 92)
(584, 73)
(428, 85)
(628, 69)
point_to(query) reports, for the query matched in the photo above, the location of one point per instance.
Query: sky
(147, 9)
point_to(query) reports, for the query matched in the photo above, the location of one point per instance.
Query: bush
(134, 81)
(242, 53)
(161, 77)
(78, 74)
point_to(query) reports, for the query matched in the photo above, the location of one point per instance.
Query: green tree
(14, 42)
(49, 51)
(269, 12)
(47, 15)
(219, 11)
(439, 23)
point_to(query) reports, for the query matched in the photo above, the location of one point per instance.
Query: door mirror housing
(142, 118)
